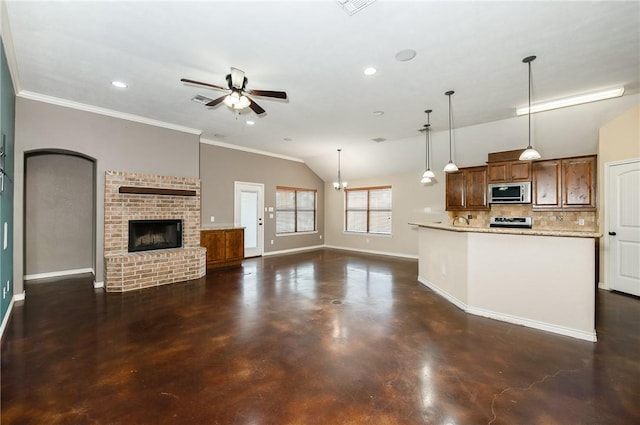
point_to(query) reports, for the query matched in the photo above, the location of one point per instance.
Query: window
(295, 210)
(368, 210)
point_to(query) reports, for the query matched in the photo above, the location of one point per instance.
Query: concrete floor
(320, 337)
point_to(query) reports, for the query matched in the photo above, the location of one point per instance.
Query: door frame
(237, 187)
(608, 270)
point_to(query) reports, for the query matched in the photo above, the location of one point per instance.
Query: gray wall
(59, 216)
(220, 167)
(115, 144)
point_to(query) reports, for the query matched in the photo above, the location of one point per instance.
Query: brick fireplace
(133, 197)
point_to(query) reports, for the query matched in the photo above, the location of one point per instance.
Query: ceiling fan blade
(200, 83)
(255, 107)
(237, 78)
(217, 101)
(269, 93)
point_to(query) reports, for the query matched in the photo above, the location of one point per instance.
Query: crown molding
(245, 149)
(9, 50)
(104, 111)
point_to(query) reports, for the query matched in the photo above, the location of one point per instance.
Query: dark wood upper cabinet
(466, 189)
(510, 171)
(579, 183)
(455, 190)
(476, 188)
(564, 184)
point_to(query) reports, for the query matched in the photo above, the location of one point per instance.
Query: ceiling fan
(236, 97)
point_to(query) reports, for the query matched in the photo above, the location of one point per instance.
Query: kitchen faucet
(466, 220)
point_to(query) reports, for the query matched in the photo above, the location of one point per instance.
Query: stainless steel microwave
(510, 193)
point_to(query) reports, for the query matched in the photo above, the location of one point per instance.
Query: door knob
(612, 233)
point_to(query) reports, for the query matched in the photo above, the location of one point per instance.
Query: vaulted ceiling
(317, 53)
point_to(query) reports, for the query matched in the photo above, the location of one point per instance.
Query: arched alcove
(59, 214)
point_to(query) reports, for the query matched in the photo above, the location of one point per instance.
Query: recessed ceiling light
(119, 84)
(378, 113)
(369, 71)
(405, 55)
(249, 122)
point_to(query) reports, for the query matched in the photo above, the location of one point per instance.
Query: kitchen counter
(509, 231)
(540, 279)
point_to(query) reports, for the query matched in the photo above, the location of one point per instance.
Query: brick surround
(125, 271)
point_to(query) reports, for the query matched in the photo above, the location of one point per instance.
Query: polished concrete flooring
(321, 337)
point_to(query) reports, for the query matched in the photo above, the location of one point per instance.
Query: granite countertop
(510, 231)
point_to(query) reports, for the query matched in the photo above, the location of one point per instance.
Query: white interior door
(248, 213)
(624, 227)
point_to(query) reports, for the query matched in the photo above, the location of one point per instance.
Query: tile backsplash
(548, 220)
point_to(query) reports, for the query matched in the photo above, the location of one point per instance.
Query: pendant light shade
(530, 153)
(339, 185)
(450, 167)
(428, 174)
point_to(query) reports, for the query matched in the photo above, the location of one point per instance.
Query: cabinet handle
(612, 233)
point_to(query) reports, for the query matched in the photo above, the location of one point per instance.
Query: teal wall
(7, 126)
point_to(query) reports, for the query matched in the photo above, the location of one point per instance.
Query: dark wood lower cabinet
(225, 247)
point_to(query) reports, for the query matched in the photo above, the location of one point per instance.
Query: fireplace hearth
(148, 235)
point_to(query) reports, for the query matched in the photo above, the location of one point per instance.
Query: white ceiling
(316, 53)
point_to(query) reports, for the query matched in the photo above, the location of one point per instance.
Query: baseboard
(453, 300)
(98, 285)
(5, 319)
(369, 251)
(20, 297)
(57, 274)
(604, 286)
(561, 330)
(516, 320)
(292, 250)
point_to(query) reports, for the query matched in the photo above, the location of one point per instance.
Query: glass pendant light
(339, 185)
(530, 153)
(428, 174)
(450, 167)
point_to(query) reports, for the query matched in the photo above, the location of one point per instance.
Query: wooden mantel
(155, 191)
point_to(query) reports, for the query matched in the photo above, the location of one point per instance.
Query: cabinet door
(234, 244)
(476, 188)
(455, 191)
(546, 184)
(520, 171)
(213, 240)
(498, 173)
(579, 183)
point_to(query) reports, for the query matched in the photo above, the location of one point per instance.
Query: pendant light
(428, 174)
(450, 167)
(530, 153)
(339, 185)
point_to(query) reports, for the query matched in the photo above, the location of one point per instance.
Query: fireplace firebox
(147, 235)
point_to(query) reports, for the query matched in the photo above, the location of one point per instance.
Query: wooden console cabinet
(225, 247)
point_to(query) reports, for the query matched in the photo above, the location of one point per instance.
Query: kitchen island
(543, 279)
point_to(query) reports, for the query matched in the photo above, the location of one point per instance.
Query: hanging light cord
(428, 141)
(339, 179)
(450, 159)
(529, 147)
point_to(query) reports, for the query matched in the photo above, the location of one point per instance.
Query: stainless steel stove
(513, 222)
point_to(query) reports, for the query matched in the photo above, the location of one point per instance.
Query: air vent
(201, 99)
(353, 6)
(379, 139)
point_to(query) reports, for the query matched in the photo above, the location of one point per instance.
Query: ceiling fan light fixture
(243, 102)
